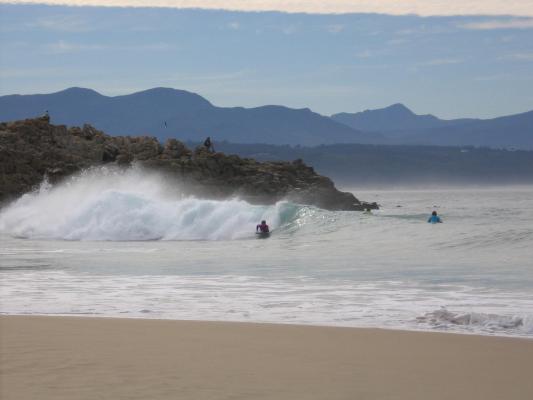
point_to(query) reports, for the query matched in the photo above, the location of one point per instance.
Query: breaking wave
(494, 323)
(123, 205)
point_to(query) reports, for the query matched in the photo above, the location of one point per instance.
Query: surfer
(262, 227)
(434, 219)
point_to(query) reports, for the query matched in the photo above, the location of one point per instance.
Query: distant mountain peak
(398, 107)
(79, 91)
(157, 91)
(164, 90)
(396, 117)
(170, 94)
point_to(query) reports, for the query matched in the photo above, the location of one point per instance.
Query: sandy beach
(103, 358)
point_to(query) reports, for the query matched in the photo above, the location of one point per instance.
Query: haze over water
(125, 244)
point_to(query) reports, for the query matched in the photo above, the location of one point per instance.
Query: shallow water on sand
(122, 246)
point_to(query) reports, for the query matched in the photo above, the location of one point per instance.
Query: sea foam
(113, 204)
(490, 322)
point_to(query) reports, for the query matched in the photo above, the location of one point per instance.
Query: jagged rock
(32, 149)
(175, 149)
(111, 153)
(124, 158)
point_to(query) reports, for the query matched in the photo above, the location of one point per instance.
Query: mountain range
(399, 125)
(170, 113)
(395, 120)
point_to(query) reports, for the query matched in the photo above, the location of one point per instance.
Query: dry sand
(98, 358)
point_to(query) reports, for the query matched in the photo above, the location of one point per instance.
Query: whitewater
(127, 243)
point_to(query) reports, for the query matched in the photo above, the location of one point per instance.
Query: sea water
(114, 243)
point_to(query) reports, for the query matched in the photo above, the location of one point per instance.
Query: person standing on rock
(209, 145)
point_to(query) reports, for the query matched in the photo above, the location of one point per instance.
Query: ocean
(112, 243)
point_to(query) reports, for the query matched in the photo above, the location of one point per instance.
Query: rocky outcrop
(33, 149)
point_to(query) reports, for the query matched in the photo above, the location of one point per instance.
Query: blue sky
(450, 66)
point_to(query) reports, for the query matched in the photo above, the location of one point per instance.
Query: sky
(448, 58)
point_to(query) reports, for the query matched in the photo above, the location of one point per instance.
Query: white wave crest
(109, 204)
(443, 318)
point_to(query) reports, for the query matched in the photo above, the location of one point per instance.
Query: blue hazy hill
(394, 119)
(399, 125)
(510, 131)
(165, 113)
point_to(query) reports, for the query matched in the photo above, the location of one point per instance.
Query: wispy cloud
(441, 61)
(234, 25)
(397, 42)
(65, 47)
(371, 53)
(366, 54)
(63, 23)
(336, 28)
(513, 23)
(518, 56)
(406, 32)
(503, 77)
(395, 7)
(289, 29)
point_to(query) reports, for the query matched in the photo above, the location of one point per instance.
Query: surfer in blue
(262, 227)
(434, 219)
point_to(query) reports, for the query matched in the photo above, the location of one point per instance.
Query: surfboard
(262, 235)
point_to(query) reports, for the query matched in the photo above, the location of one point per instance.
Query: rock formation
(33, 149)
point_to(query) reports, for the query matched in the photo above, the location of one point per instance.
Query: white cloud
(519, 56)
(64, 47)
(515, 23)
(397, 42)
(63, 23)
(395, 7)
(289, 30)
(337, 28)
(441, 61)
(502, 77)
(372, 53)
(365, 54)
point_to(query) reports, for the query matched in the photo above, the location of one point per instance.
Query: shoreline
(56, 357)
(294, 324)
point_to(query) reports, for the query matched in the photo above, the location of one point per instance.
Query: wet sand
(104, 358)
